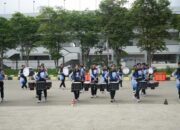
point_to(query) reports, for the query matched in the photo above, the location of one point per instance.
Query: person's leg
(39, 95)
(76, 94)
(144, 91)
(178, 87)
(120, 82)
(45, 94)
(2, 90)
(113, 94)
(92, 90)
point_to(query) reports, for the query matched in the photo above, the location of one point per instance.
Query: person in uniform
(76, 77)
(120, 75)
(2, 84)
(23, 78)
(62, 76)
(94, 80)
(41, 76)
(136, 77)
(177, 75)
(144, 74)
(104, 77)
(113, 77)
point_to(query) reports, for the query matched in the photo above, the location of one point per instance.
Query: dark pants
(39, 92)
(144, 91)
(93, 90)
(24, 85)
(76, 94)
(120, 82)
(179, 93)
(112, 93)
(25, 82)
(62, 84)
(137, 92)
(2, 89)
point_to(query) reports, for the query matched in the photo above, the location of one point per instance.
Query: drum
(153, 84)
(31, 85)
(143, 84)
(113, 86)
(86, 86)
(76, 86)
(101, 86)
(49, 85)
(41, 85)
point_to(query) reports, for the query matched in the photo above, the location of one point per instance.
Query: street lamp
(64, 4)
(48, 3)
(19, 6)
(79, 4)
(4, 7)
(34, 5)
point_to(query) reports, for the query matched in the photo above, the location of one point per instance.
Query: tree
(85, 28)
(152, 18)
(25, 29)
(6, 39)
(53, 31)
(176, 23)
(117, 26)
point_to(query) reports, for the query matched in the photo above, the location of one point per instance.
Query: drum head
(66, 71)
(26, 71)
(150, 70)
(126, 70)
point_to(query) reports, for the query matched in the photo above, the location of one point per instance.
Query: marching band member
(133, 82)
(104, 76)
(177, 75)
(23, 79)
(2, 84)
(120, 75)
(144, 75)
(82, 72)
(41, 76)
(136, 77)
(76, 77)
(62, 76)
(114, 77)
(94, 80)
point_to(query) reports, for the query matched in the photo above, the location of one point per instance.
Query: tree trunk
(118, 56)
(149, 58)
(1, 60)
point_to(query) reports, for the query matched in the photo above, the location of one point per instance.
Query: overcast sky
(28, 6)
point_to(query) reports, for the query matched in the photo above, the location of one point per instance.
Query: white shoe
(138, 100)
(39, 101)
(45, 99)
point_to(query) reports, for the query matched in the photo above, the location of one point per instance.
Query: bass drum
(28, 71)
(151, 70)
(66, 71)
(126, 70)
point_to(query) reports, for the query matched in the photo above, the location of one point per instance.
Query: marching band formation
(109, 79)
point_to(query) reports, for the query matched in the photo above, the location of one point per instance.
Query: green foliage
(53, 31)
(25, 29)
(152, 19)
(117, 25)
(6, 38)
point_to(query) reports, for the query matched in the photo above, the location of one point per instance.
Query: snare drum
(86, 86)
(41, 85)
(49, 85)
(113, 86)
(31, 85)
(143, 84)
(76, 86)
(153, 84)
(101, 86)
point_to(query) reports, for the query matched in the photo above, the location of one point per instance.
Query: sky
(30, 6)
